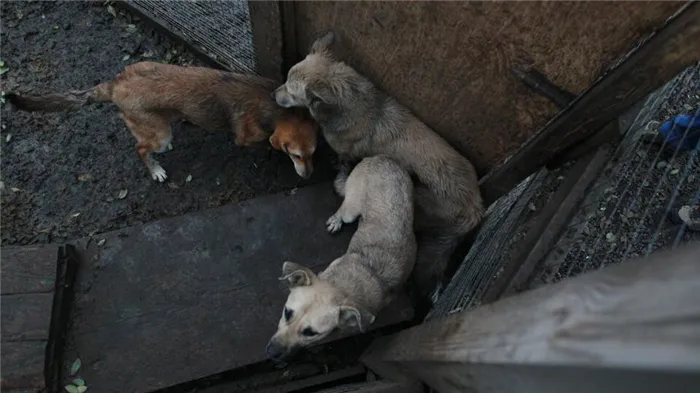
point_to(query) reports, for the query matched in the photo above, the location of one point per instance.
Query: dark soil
(62, 174)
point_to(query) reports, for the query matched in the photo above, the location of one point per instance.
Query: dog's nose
(273, 351)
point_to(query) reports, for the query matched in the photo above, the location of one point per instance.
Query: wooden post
(632, 327)
(654, 63)
(266, 26)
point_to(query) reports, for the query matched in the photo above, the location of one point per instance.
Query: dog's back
(383, 247)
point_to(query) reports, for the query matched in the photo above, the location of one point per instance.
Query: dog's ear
(323, 43)
(296, 275)
(275, 141)
(350, 316)
(321, 102)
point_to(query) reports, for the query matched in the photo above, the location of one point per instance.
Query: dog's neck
(357, 281)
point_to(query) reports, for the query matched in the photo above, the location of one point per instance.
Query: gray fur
(358, 120)
(378, 261)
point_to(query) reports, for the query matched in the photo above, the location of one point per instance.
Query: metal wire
(577, 258)
(220, 27)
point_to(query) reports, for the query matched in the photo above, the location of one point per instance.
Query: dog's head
(297, 137)
(310, 82)
(314, 310)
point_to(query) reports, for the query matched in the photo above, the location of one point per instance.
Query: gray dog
(358, 120)
(378, 261)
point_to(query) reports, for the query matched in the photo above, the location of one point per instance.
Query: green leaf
(75, 367)
(82, 389)
(3, 70)
(79, 382)
(71, 388)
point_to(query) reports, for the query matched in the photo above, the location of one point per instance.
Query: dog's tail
(58, 102)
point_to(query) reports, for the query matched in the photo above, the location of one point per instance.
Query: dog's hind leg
(351, 208)
(152, 134)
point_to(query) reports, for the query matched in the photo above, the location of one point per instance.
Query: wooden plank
(290, 49)
(187, 297)
(26, 317)
(631, 320)
(450, 62)
(60, 315)
(28, 269)
(266, 26)
(22, 365)
(548, 225)
(664, 55)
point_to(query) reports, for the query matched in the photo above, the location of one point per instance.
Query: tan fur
(359, 120)
(151, 96)
(379, 259)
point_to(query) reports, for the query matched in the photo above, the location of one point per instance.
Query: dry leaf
(84, 177)
(75, 214)
(122, 194)
(9, 136)
(15, 189)
(101, 242)
(111, 11)
(675, 171)
(75, 366)
(189, 179)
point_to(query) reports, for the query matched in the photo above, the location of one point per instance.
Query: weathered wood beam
(632, 327)
(661, 57)
(266, 26)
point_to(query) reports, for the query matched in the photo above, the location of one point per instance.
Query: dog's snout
(274, 351)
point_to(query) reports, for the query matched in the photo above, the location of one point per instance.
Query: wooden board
(632, 327)
(191, 296)
(33, 315)
(450, 62)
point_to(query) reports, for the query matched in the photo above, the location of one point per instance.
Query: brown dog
(151, 96)
(358, 120)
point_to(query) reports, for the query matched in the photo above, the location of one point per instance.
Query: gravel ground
(63, 175)
(625, 214)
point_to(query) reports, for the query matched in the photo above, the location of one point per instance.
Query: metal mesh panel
(626, 214)
(220, 28)
(486, 257)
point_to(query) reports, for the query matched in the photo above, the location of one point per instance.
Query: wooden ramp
(191, 296)
(36, 296)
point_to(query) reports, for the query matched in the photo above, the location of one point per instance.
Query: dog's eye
(308, 332)
(288, 314)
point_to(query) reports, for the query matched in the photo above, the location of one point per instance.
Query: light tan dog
(358, 120)
(378, 261)
(151, 96)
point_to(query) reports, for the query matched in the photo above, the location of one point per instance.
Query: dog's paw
(158, 174)
(334, 224)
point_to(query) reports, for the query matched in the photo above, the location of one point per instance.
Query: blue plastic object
(674, 130)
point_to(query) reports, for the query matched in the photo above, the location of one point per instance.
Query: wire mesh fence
(646, 183)
(221, 28)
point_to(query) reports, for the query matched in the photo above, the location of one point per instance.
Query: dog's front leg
(157, 172)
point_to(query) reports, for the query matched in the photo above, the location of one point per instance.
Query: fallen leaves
(122, 194)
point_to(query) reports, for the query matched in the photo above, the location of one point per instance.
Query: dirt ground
(63, 174)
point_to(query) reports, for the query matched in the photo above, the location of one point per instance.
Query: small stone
(610, 237)
(661, 165)
(531, 206)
